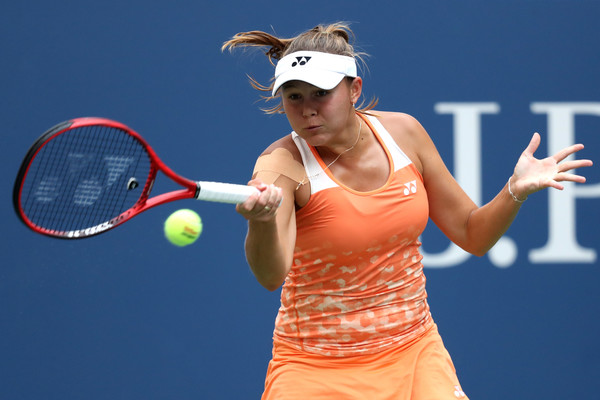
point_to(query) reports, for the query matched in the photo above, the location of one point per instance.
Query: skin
(326, 119)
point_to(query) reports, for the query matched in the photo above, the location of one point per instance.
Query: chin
(315, 140)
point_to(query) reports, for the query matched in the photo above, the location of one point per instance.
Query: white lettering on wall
(467, 165)
(562, 245)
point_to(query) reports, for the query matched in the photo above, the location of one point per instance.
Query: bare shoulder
(400, 124)
(281, 164)
(408, 132)
(285, 143)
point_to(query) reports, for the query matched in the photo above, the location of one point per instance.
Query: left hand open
(532, 174)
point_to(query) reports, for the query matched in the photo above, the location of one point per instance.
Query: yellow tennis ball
(183, 227)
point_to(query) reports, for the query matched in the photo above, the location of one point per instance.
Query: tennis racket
(85, 176)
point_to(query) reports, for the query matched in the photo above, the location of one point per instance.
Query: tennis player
(343, 201)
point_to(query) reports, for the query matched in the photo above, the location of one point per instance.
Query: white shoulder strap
(319, 180)
(399, 158)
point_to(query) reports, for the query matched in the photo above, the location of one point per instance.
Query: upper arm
(449, 206)
(286, 217)
(281, 167)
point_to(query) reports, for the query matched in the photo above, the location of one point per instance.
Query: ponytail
(334, 38)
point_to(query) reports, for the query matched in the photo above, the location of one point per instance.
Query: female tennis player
(343, 200)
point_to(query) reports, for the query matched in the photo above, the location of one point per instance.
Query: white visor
(323, 70)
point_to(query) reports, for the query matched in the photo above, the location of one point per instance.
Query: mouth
(312, 128)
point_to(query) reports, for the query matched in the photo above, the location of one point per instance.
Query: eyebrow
(289, 84)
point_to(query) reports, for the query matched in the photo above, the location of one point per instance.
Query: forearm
(266, 254)
(488, 223)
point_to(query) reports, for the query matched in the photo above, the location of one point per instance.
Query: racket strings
(83, 178)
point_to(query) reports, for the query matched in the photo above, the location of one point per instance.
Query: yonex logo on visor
(323, 70)
(301, 61)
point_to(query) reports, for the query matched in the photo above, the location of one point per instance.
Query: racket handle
(224, 192)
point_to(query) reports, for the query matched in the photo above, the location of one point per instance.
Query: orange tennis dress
(354, 322)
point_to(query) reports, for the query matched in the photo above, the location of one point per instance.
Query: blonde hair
(333, 38)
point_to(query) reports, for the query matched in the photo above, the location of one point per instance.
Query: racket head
(85, 176)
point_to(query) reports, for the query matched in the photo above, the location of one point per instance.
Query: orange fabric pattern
(357, 283)
(418, 370)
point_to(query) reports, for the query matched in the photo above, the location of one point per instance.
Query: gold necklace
(337, 158)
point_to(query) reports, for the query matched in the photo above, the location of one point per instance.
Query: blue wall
(125, 315)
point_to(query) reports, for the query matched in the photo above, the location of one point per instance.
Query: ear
(355, 89)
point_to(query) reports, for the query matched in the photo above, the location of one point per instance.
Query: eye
(321, 93)
(293, 96)
(291, 93)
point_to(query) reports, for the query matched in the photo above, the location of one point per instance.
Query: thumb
(533, 145)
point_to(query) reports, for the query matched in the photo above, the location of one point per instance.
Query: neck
(348, 148)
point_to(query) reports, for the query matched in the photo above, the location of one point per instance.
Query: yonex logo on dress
(410, 187)
(301, 61)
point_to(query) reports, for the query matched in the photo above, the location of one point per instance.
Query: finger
(552, 183)
(268, 191)
(564, 177)
(274, 200)
(534, 143)
(279, 198)
(569, 165)
(566, 152)
(247, 206)
(266, 199)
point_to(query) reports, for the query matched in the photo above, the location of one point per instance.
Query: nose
(308, 109)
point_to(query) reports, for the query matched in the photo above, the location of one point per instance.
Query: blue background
(126, 315)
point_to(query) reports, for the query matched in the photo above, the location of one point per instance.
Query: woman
(342, 203)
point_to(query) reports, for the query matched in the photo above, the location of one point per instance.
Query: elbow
(479, 245)
(271, 287)
(271, 284)
(478, 251)
(270, 281)
(474, 252)
(474, 248)
(270, 275)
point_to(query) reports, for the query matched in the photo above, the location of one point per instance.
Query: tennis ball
(183, 227)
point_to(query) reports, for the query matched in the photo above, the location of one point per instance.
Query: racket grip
(224, 192)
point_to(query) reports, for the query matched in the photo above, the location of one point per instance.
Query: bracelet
(515, 198)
